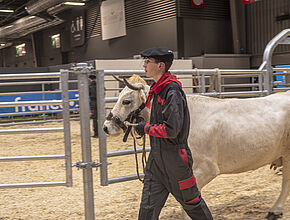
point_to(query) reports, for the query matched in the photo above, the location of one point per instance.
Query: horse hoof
(273, 216)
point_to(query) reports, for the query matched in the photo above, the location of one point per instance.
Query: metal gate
(82, 70)
(65, 129)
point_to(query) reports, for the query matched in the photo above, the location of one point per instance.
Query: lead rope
(136, 156)
(143, 144)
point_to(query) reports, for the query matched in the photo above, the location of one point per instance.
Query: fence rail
(65, 129)
(29, 76)
(30, 158)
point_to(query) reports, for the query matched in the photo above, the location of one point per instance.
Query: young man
(93, 104)
(169, 166)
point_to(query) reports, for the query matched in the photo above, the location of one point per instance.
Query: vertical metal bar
(260, 80)
(216, 85)
(269, 76)
(101, 119)
(66, 125)
(43, 98)
(34, 50)
(86, 141)
(235, 25)
(211, 85)
(202, 83)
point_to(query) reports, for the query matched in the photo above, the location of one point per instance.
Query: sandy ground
(230, 197)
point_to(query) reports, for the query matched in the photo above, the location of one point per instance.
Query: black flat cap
(161, 53)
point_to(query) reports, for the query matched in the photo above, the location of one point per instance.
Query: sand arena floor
(243, 196)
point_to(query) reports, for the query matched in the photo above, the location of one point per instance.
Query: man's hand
(140, 128)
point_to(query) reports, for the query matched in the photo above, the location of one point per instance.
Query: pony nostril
(105, 129)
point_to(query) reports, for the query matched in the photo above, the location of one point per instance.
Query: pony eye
(126, 102)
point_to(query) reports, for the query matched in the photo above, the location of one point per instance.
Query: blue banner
(281, 78)
(35, 97)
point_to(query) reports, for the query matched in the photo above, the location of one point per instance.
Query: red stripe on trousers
(194, 200)
(185, 184)
(183, 155)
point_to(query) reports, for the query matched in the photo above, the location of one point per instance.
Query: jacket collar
(158, 86)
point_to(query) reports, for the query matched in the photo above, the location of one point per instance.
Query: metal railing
(43, 92)
(282, 38)
(65, 129)
(86, 164)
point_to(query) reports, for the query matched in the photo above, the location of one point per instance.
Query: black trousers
(157, 186)
(95, 122)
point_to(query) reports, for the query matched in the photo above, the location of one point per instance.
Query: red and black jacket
(169, 119)
(169, 129)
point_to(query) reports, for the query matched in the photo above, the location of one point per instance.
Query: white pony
(226, 135)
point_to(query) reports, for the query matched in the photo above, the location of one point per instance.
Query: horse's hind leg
(277, 209)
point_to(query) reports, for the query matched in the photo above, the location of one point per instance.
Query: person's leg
(182, 183)
(154, 196)
(198, 210)
(95, 124)
(192, 202)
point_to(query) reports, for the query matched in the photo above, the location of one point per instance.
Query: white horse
(226, 135)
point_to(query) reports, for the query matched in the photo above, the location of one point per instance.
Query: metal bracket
(86, 165)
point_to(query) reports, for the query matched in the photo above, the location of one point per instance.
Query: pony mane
(136, 79)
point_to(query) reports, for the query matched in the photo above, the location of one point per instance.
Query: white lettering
(54, 107)
(81, 23)
(78, 23)
(33, 108)
(17, 107)
(71, 103)
(72, 28)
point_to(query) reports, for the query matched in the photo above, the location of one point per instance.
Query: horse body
(229, 135)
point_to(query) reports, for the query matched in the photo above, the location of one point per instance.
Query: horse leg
(205, 171)
(277, 210)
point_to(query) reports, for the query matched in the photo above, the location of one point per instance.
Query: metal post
(202, 83)
(82, 71)
(260, 80)
(102, 135)
(66, 125)
(269, 77)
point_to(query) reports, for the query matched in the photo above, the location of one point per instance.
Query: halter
(134, 115)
